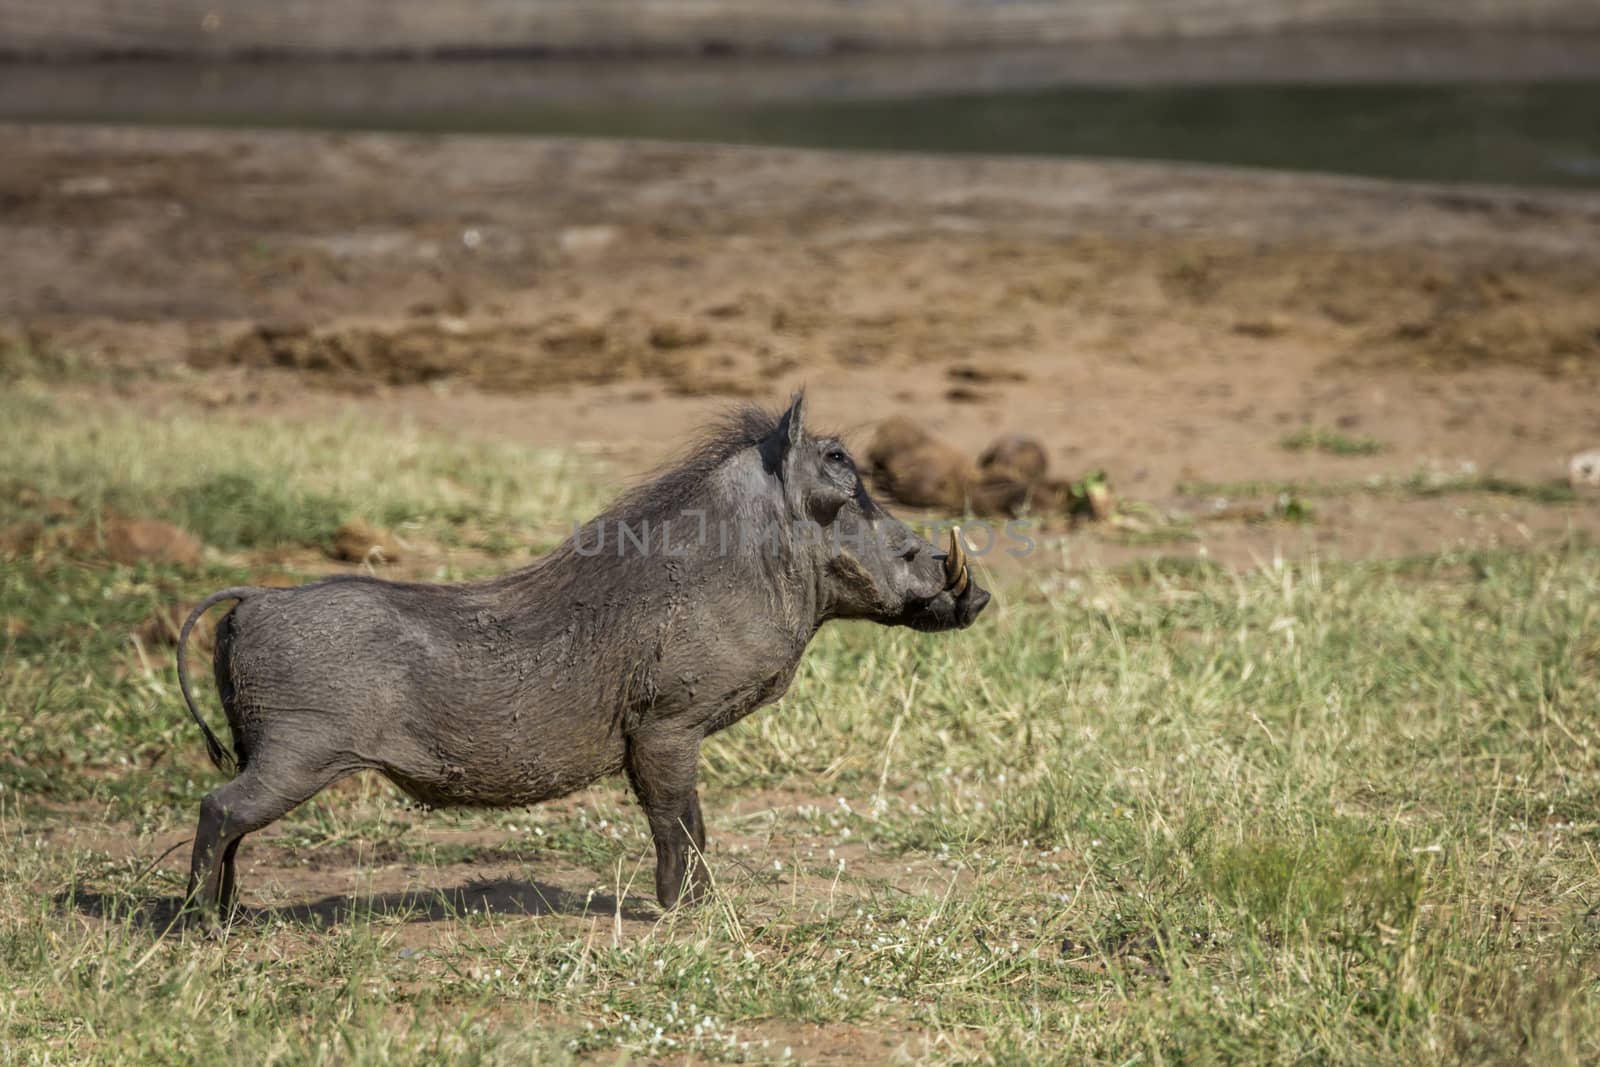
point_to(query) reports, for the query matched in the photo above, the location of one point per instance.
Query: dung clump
(931, 475)
(917, 468)
(1009, 479)
(1016, 456)
(895, 434)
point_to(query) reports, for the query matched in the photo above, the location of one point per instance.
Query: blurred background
(1256, 276)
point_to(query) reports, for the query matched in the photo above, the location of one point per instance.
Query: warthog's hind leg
(228, 891)
(246, 804)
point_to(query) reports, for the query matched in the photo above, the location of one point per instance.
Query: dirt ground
(1170, 325)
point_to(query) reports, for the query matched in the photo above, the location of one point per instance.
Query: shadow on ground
(502, 896)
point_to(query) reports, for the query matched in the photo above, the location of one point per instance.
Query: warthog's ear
(790, 427)
(780, 451)
(776, 449)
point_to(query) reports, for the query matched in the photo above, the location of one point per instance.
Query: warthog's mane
(681, 481)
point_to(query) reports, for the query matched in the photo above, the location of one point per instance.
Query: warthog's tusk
(956, 578)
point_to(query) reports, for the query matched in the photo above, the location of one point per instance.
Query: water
(1515, 134)
(1472, 117)
(1521, 134)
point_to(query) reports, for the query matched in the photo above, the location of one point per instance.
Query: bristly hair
(676, 482)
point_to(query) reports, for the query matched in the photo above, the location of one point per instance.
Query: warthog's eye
(837, 455)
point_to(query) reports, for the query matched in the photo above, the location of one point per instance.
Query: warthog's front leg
(661, 765)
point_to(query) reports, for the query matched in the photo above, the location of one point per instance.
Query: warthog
(676, 613)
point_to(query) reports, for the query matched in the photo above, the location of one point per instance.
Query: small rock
(133, 541)
(360, 542)
(1583, 470)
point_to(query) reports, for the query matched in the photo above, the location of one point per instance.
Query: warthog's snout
(958, 604)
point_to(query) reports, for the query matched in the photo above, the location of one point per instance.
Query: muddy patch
(520, 357)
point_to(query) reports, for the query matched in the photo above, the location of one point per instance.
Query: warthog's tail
(220, 757)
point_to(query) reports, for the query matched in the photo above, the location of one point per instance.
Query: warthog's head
(867, 564)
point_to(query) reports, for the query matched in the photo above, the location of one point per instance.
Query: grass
(1331, 442)
(25, 359)
(1172, 814)
(238, 485)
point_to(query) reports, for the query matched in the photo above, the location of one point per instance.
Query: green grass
(1172, 814)
(240, 484)
(1331, 442)
(1551, 492)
